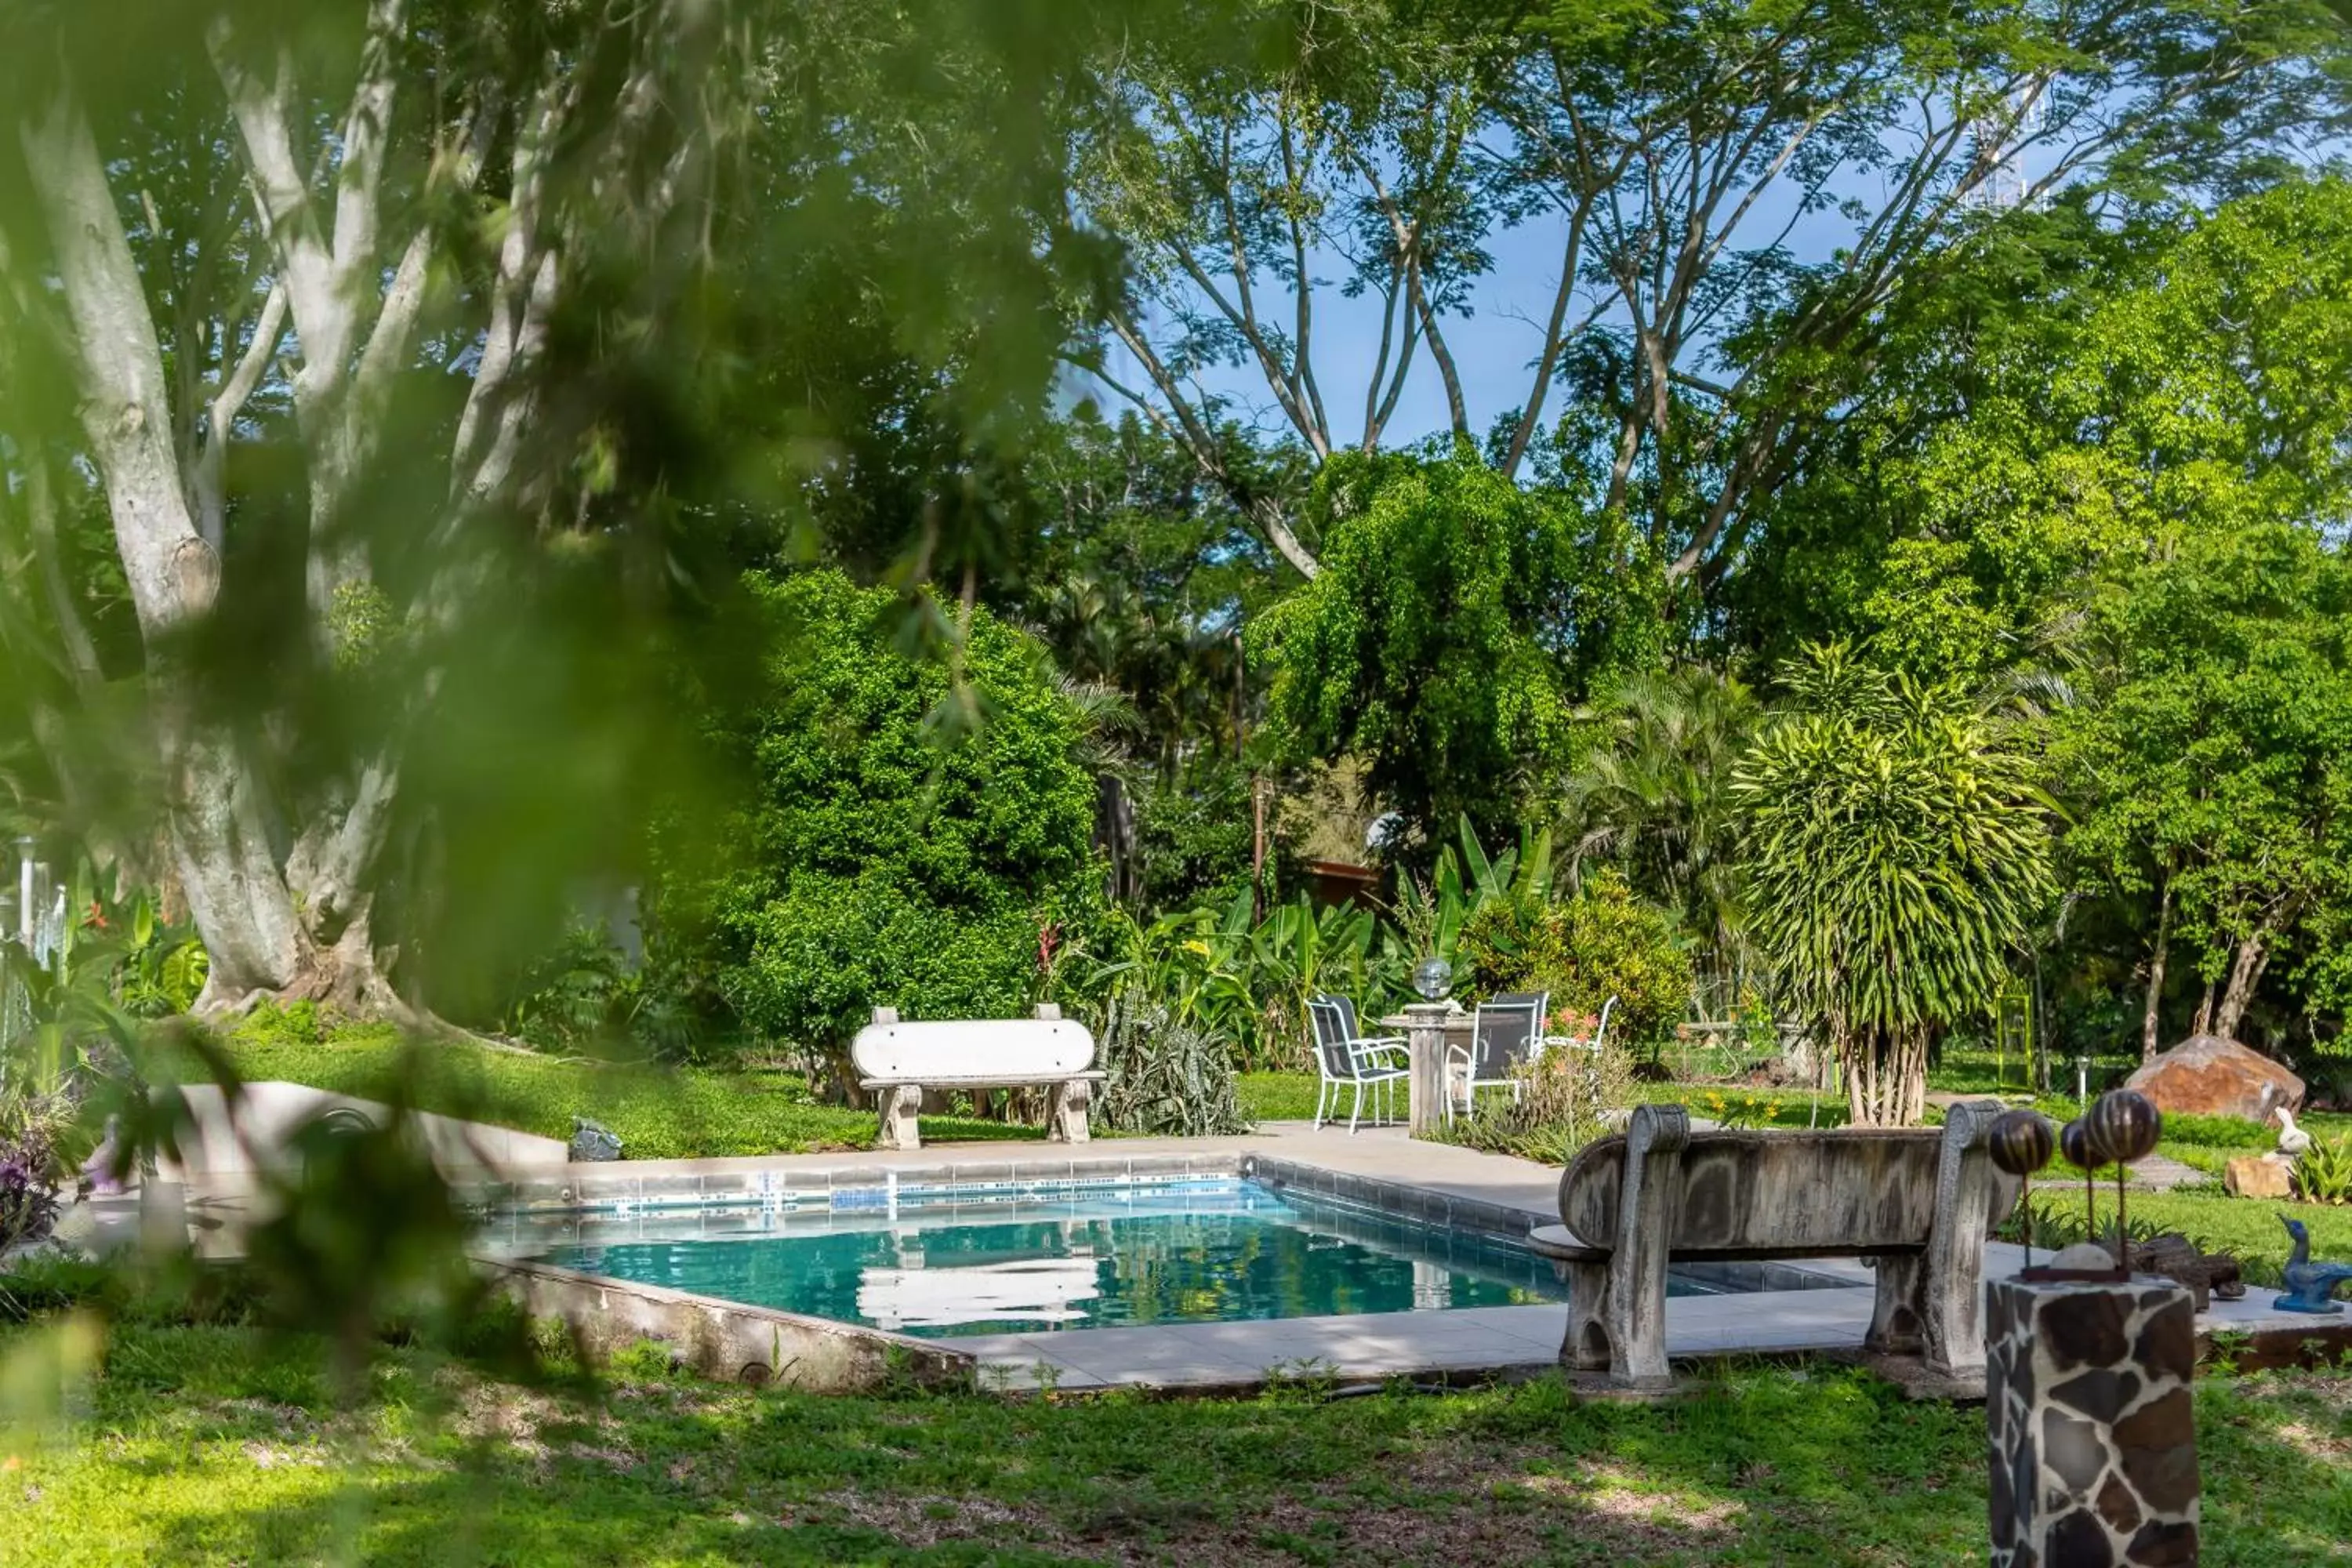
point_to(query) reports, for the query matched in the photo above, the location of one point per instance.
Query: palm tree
(1653, 798)
(1899, 850)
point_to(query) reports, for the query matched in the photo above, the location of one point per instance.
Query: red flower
(97, 917)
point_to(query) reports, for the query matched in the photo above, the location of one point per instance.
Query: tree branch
(236, 389)
(172, 574)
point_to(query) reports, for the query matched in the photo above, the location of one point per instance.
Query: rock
(2257, 1176)
(2206, 1075)
(2084, 1256)
(2176, 1258)
(592, 1142)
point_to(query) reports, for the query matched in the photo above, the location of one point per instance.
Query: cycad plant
(1898, 851)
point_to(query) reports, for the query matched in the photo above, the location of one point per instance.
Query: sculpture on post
(2090, 1435)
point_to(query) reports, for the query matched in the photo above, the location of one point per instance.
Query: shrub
(2323, 1173)
(584, 993)
(1563, 1103)
(1599, 943)
(1195, 836)
(29, 1188)
(1164, 1077)
(909, 833)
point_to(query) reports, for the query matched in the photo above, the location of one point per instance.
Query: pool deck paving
(1448, 1185)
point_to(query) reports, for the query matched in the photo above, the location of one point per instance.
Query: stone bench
(899, 1061)
(1920, 1202)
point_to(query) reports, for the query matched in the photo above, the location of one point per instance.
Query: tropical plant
(1899, 851)
(1652, 797)
(159, 967)
(2323, 1173)
(1598, 943)
(1164, 1075)
(584, 995)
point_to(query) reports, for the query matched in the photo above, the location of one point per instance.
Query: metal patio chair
(1349, 1060)
(1505, 1033)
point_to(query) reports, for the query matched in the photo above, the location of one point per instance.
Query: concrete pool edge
(726, 1340)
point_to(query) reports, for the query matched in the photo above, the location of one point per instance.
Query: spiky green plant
(1899, 851)
(2323, 1173)
(1164, 1076)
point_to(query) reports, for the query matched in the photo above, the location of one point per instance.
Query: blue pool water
(1209, 1251)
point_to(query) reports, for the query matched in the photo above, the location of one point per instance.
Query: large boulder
(2206, 1075)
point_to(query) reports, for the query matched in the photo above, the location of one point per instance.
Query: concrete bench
(1919, 1202)
(899, 1061)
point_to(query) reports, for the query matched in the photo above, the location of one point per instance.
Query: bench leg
(1634, 1316)
(1586, 1349)
(1897, 1320)
(900, 1105)
(1065, 1116)
(1951, 1286)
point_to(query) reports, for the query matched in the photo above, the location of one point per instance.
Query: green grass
(211, 1445)
(1278, 1095)
(659, 1112)
(2248, 1228)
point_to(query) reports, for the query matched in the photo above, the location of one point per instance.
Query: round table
(1430, 1027)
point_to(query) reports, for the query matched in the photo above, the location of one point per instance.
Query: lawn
(659, 1112)
(2246, 1227)
(204, 1445)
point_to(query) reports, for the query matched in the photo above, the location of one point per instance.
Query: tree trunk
(1885, 1077)
(2204, 1022)
(1114, 837)
(2245, 973)
(2148, 1017)
(267, 936)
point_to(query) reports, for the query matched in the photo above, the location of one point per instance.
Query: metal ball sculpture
(2122, 1126)
(2074, 1147)
(2019, 1143)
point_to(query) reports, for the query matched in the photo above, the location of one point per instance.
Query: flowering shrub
(1600, 942)
(28, 1191)
(1566, 1098)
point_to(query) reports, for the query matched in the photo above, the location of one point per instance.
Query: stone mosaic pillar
(2092, 1436)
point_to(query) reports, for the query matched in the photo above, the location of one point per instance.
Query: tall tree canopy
(1722, 279)
(407, 356)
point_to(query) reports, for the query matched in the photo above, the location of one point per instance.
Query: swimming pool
(947, 1261)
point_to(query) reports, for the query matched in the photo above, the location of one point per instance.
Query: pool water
(1219, 1251)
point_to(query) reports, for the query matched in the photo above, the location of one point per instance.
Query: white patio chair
(1506, 1032)
(1349, 1060)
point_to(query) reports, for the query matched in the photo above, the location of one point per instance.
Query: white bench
(900, 1060)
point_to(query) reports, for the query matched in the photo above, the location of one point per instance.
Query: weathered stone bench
(1919, 1202)
(899, 1061)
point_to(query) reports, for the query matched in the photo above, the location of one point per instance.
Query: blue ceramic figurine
(2309, 1285)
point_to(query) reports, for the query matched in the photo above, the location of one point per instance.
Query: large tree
(1737, 188)
(2130, 487)
(375, 321)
